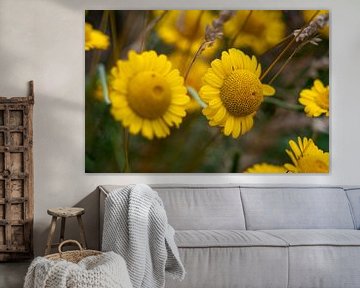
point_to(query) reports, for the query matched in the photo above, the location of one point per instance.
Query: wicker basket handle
(69, 241)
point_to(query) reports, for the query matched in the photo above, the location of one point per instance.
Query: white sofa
(263, 237)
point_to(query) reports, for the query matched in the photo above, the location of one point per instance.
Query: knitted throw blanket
(102, 271)
(136, 227)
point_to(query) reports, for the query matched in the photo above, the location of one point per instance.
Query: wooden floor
(12, 274)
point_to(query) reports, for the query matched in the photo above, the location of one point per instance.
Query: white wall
(43, 39)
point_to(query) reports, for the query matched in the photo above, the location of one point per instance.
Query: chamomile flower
(95, 39)
(315, 100)
(306, 157)
(147, 95)
(233, 92)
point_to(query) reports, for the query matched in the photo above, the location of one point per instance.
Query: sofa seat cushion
(231, 258)
(317, 237)
(322, 258)
(226, 238)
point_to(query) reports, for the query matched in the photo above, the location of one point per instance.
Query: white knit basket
(80, 268)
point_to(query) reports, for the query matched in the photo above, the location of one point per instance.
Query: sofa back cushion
(296, 208)
(202, 207)
(354, 198)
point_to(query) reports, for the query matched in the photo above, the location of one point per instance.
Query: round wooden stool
(64, 213)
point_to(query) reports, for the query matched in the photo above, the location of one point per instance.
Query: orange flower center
(241, 93)
(149, 94)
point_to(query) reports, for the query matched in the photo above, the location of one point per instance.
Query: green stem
(282, 104)
(103, 81)
(193, 93)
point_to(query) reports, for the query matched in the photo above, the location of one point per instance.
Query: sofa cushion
(317, 237)
(191, 207)
(202, 207)
(296, 208)
(218, 267)
(324, 266)
(328, 258)
(354, 198)
(226, 238)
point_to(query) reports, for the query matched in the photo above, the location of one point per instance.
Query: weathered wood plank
(16, 177)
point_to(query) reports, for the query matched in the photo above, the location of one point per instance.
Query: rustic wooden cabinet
(16, 177)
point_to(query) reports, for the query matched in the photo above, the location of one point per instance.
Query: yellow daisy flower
(315, 100)
(309, 13)
(147, 95)
(307, 157)
(95, 39)
(185, 29)
(263, 29)
(265, 168)
(233, 92)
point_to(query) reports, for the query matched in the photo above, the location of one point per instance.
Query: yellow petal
(212, 79)
(258, 70)
(171, 119)
(268, 90)
(163, 66)
(215, 103)
(179, 111)
(164, 126)
(294, 147)
(249, 123)
(118, 101)
(220, 115)
(309, 94)
(174, 78)
(236, 59)
(147, 129)
(229, 125)
(136, 125)
(291, 168)
(302, 145)
(253, 64)
(217, 68)
(319, 86)
(291, 155)
(226, 61)
(180, 100)
(237, 128)
(158, 131)
(247, 63)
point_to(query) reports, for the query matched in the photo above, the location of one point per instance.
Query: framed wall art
(202, 91)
